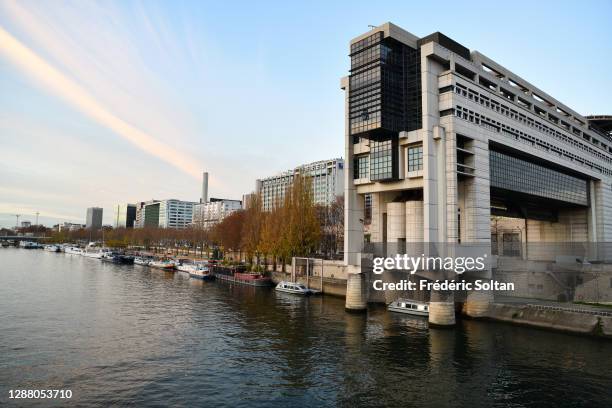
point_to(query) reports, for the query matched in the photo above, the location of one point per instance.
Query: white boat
(142, 261)
(97, 253)
(184, 267)
(168, 265)
(73, 250)
(295, 288)
(53, 248)
(412, 307)
(29, 245)
(196, 270)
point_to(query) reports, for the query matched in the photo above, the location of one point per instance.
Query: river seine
(130, 335)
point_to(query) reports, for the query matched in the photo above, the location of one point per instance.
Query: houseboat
(53, 248)
(117, 258)
(412, 307)
(295, 288)
(73, 250)
(144, 261)
(163, 264)
(197, 271)
(238, 275)
(95, 252)
(28, 245)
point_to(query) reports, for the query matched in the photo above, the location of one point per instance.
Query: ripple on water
(132, 335)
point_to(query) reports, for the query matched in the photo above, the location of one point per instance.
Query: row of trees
(294, 227)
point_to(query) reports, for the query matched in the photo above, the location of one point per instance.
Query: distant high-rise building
(139, 222)
(164, 214)
(206, 215)
(124, 215)
(247, 199)
(94, 218)
(327, 183)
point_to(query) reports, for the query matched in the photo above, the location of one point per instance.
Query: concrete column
(376, 227)
(592, 213)
(477, 304)
(431, 117)
(355, 291)
(476, 215)
(396, 221)
(414, 221)
(353, 202)
(442, 308)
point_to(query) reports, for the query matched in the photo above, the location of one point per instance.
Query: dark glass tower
(384, 98)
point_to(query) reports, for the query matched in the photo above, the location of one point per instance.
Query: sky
(123, 101)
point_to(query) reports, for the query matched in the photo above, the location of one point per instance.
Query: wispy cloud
(63, 87)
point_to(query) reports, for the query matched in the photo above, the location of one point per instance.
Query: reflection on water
(133, 335)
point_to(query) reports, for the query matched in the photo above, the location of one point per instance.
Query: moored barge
(239, 275)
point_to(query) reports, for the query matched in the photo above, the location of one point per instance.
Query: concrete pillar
(355, 293)
(396, 221)
(353, 202)
(477, 304)
(442, 308)
(414, 221)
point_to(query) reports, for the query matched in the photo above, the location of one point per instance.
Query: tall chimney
(204, 197)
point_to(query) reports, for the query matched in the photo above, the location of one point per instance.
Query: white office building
(444, 145)
(327, 183)
(208, 214)
(174, 213)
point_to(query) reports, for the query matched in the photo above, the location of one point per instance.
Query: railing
(571, 309)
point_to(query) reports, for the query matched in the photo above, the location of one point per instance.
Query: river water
(131, 335)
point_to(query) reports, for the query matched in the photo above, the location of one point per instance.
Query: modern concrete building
(170, 213)
(446, 146)
(207, 215)
(175, 213)
(139, 221)
(124, 215)
(247, 199)
(94, 218)
(327, 183)
(68, 226)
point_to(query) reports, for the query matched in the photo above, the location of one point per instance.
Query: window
(361, 167)
(415, 158)
(367, 209)
(381, 160)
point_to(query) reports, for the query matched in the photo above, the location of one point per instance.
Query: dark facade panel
(527, 177)
(384, 88)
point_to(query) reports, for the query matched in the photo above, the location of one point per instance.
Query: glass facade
(415, 158)
(515, 174)
(385, 86)
(361, 167)
(383, 164)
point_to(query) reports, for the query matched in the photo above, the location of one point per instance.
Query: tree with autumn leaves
(291, 228)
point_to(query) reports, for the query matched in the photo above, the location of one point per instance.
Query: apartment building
(327, 183)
